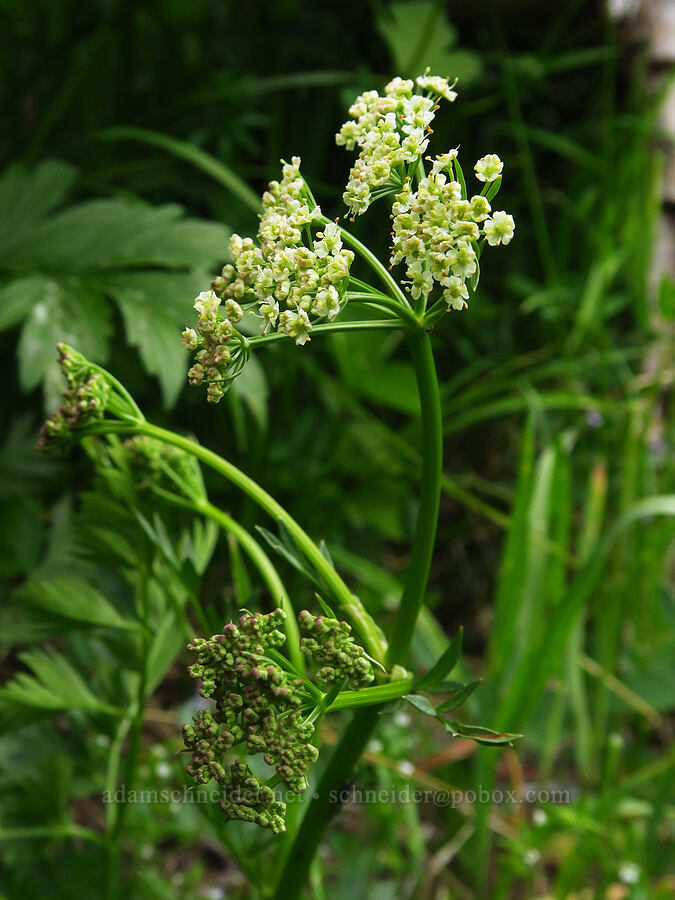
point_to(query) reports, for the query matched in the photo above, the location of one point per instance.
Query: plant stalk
(430, 494)
(345, 756)
(367, 628)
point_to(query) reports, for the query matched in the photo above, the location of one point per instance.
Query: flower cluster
(256, 703)
(216, 363)
(437, 228)
(330, 644)
(85, 399)
(294, 275)
(391, 132)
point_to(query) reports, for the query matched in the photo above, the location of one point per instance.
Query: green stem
(369, 257)
(430, 493)
(115, 835)
(364, 623)
(346, 754)
(331, 327)
(325, 801)
(269, 574)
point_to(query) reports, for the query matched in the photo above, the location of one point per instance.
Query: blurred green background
(127, 131)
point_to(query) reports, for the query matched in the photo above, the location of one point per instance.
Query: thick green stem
(353, 742)
(367, 628)
(430, 493)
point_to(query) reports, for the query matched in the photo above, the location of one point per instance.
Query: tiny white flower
(531, 857)
(406, 768)
(399, 87)
(443, 161)
(629, 872)
(438, 85)
(163, 769)
(326, 303)
(463, 260)
(539, 818)
(499, 229)
(456, 292)
(488, 168)
(295, 325)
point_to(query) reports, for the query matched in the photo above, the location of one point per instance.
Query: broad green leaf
(419, 35)
(445, 664)
(65, 312)
(71, 598)
(18, 297)
(105, 234)
(26, 196)
(156, 307)
(151, 260)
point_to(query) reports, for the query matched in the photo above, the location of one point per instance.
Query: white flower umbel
(293, 274)
(392, 133)
(437, 233)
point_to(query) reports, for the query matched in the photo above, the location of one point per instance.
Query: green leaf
(492, 191)
(155, 308)
(325, 607)
(445, 664)
(460, 177)
(65, 311)
(165, 647)
(458, 697)
(478, 734)
(285, 548)
(251, 386)
(422, 703)
(419, 35)
(54, 685)
(151, 260)
(71, 598)
(18, 298)
(27, 196)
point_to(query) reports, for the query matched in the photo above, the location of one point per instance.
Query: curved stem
(331, 328)
(430, 494)
(364, 623)
(255, 553)
(269, 574)
(369, 257)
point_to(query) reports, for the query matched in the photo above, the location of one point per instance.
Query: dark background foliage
(562, 345)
